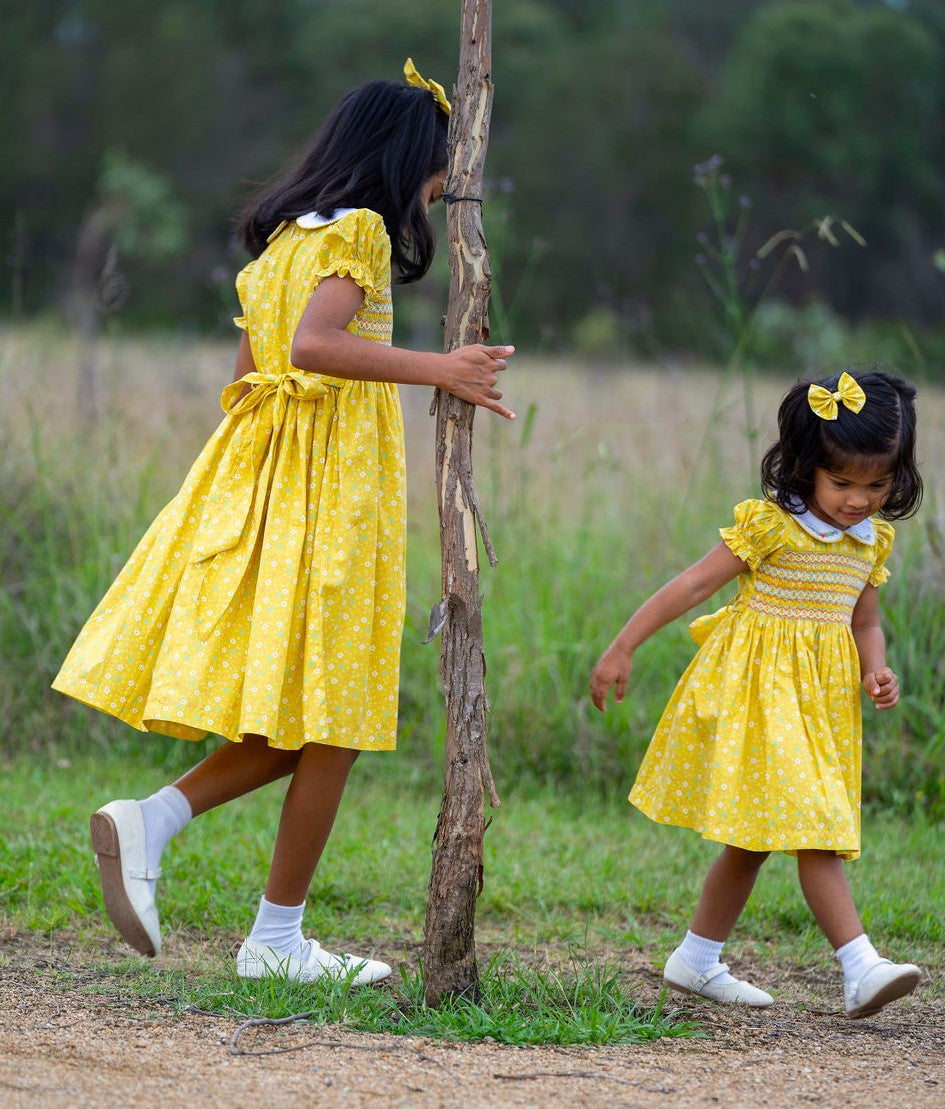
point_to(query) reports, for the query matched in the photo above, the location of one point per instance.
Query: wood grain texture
(449, 951)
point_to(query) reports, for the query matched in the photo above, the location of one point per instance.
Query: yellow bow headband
(414, 78)
(824, 403)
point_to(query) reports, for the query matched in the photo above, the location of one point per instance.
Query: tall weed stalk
(740, 282)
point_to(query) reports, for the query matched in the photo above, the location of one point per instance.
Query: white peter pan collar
(315, 219)
(863, 531)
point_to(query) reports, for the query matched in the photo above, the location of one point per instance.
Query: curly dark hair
(376, 150)
(883, 428)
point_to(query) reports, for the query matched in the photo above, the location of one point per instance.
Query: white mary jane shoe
(885, 981)
(118, 840)
(681, 976)
(256, 960)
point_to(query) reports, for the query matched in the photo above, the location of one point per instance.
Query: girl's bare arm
(688, 589)
(323, 345)
(244, 358)
(880, 683)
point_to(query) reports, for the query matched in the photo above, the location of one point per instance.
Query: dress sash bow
(237, 503)
(296, 383)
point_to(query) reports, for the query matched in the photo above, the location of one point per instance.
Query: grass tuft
(521, 1005)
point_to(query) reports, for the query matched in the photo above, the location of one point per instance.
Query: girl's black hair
(376, 150)
(884, 427)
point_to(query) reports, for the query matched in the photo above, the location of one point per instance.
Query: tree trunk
(449, 951)
(92, 249)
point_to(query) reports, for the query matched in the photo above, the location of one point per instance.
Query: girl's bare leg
(319, 775)
(870, 982)
(725, 892)
(308, 813)
(235, 769)
(695, 966)
(826, 891)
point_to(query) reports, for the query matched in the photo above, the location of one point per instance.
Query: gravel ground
(64, 1045)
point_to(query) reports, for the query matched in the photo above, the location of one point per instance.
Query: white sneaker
(118, 839)
(681, 976)
(256, 960)
(885, 981)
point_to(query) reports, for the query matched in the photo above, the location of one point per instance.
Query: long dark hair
(375, 150)
(883, 428)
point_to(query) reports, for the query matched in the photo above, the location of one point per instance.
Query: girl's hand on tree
(471, 373)
(882, 688)
(612, 670)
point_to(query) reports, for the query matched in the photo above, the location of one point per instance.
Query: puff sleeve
(356, 246)
(885, 535)
(757, 532)
(242, 284)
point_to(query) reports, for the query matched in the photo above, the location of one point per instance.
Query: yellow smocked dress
(759, 746)
(268, 596)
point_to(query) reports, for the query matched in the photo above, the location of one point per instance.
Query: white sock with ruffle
(164, 813)
(856, 958)
(279, 927)
(702, 955)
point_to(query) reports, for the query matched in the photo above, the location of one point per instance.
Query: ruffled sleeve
(757, 532)
(242, 283)
(356, 246)
(885, 535)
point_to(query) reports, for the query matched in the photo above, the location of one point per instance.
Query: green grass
(578, 893)
(561, 871)
(518, 1004)
(586, 526)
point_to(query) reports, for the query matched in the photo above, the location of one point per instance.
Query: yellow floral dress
(268, 597)
(759, 746)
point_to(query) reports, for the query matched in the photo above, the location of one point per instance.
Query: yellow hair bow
(824, 403)
(414, 78)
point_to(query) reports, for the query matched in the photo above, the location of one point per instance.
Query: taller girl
(265, 604)
(759, 746)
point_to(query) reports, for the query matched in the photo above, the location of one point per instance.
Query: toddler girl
(759, 746)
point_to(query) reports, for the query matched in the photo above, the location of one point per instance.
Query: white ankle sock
(165, 813)
(279, 927)
(702, 955)
(856, 958)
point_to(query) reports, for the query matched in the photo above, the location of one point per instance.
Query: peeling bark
(449, 951)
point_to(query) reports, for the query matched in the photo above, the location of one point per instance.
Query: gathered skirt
(759, 746)
(268, 597)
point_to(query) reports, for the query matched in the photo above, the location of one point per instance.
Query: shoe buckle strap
(146, 875)
(710, 975)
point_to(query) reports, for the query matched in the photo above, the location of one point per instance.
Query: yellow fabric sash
(295, 383)
(238, 498)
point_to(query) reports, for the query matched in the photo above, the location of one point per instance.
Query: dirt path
(63, 1045)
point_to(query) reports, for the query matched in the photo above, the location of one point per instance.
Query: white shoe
(885, 981)
(118, 840)
(256, 960)
(681, 976)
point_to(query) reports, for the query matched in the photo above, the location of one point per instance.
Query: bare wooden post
(449, 951)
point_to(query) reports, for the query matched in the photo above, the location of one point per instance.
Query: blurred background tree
(845, 114)
(133, 217)
(601, 110)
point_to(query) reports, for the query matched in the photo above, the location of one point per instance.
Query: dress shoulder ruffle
(355, 246)
(758, 530)
(242, 287)
(885, 536)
